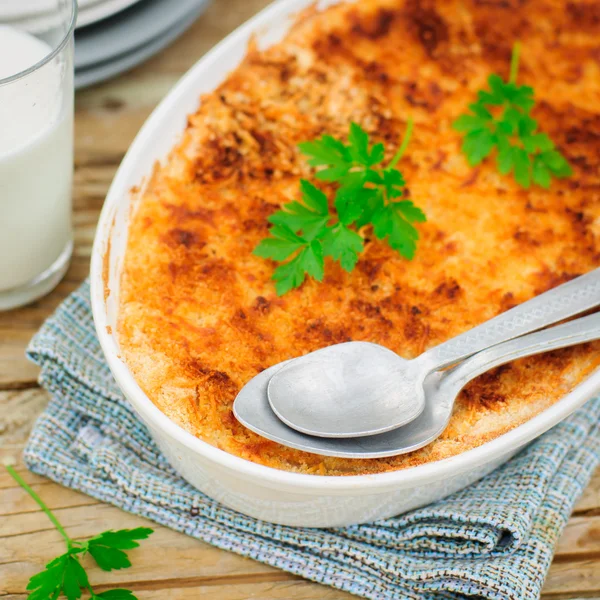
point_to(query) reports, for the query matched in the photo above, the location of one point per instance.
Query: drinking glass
(36, 147)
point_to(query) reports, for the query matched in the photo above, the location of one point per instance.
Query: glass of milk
(36, 149)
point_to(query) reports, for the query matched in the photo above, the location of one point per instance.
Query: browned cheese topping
(199, 316)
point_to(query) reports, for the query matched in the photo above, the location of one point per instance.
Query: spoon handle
(577, 331)
(564, 301)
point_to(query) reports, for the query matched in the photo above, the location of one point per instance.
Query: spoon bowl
(380, 375)
(359, 389)
(252, 408)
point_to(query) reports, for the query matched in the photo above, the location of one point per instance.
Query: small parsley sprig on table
(65, 575)
(305, 232)
(521, 148)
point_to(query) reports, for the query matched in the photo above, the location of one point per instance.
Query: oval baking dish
(263, 492)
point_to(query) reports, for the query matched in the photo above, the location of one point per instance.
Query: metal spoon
(252, 407)
(361, 389)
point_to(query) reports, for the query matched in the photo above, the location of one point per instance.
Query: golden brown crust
(199, 315)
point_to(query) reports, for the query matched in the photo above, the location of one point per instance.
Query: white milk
(36, 161)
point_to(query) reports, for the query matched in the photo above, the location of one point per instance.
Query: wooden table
(171, 565)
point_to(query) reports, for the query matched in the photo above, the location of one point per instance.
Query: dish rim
(140, 151)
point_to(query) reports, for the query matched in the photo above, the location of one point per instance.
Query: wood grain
(235, 590)
(107, 118)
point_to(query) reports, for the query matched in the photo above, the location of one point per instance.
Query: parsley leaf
(328, 151)
(394, 222)
(308, 216)
(305, 232)
(295, 229)
(343, 244)
(116, 594)
(308, 262)
(520, 148)
(281, 246)
(65, 575)
(107, 548)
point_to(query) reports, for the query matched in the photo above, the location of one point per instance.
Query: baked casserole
(199, 315)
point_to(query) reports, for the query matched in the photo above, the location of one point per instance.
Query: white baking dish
(259, 491)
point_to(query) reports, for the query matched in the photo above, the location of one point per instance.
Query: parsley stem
(41, 504)
(514, 62)
(403, 146)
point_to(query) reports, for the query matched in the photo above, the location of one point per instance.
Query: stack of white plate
(112, 36)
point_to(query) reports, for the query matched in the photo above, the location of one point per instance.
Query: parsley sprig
(65, 574)
(521, 148)
(304, 232)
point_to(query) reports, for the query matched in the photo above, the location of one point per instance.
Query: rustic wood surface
(107, 118)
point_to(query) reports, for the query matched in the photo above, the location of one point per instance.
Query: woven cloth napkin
(492, 540)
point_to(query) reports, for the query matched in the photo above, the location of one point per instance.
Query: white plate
(36, 21)
(140, 25)
(253, 489)
(97, 11)
(11, 10)
(111, 68)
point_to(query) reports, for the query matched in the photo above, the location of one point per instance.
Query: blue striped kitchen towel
(494, 540)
